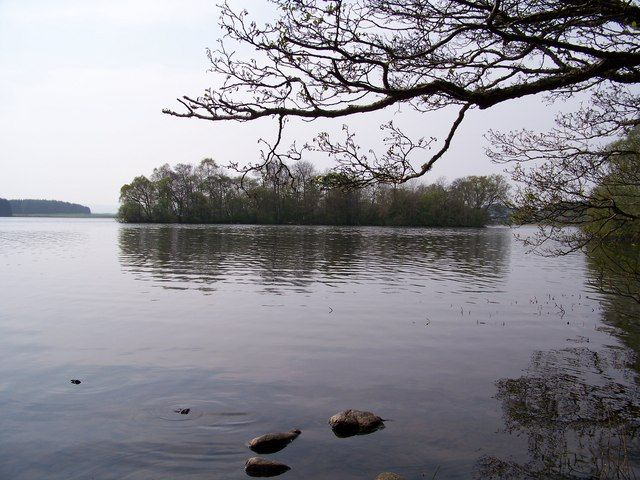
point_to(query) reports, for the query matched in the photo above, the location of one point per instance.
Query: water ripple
(295, 258)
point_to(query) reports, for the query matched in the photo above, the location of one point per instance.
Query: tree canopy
(47, 207)
(331, 59)
(5, 208)
(206, 194)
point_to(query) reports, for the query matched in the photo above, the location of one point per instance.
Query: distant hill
(5, 208)
(47, 207)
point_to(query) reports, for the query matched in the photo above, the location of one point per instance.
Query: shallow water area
(486, 361)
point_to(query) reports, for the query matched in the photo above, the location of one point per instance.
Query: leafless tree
(336, 58)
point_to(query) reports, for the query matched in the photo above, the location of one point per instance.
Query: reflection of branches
(616, 269)
(580, 420)
(196, 257)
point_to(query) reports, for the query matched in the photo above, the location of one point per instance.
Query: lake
(486, 361)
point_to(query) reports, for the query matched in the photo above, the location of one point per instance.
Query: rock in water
(75, 381)
(389, 476)
(273, 442)
(355, 422)
(261, 467)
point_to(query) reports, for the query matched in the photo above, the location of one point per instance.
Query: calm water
(488, 362)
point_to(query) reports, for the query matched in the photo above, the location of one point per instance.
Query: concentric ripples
(206, 413)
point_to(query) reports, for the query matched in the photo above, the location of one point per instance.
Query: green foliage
(615, 211)
(482, 192)
(205, 194)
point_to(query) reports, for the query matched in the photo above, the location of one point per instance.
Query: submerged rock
(261, 467)
(355, 422)
(389, 476)
(75, 381)
(273, 442)
(183, 411)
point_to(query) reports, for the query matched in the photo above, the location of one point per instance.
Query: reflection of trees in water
(620, 312)
(300, 256)
(579, 408)
(615, 268)
(580, 412)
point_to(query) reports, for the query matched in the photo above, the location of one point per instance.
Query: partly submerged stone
(273, 442)
(389, 476)
(261, 467)
(355, 422)
(183, 411)
(75, 381)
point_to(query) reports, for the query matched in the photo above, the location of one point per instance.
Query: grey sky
(83, 83)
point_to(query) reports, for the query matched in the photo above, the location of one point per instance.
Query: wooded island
(298, 194)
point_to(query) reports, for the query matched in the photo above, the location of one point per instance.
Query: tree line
(5, 208)
(9, 208)
(45, 207)
(298, 194)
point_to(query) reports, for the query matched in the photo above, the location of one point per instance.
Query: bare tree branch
(337, 58)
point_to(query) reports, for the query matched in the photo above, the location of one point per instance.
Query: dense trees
(5, 208)
(47, 207)
(206, 194)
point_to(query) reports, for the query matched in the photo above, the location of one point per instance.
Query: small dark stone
(261, 467)
(183, 411)
(75, 381)
(355, 422)
(273, 442)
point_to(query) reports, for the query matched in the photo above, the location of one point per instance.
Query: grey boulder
(261, 467)
(273, 442)
(355, 422)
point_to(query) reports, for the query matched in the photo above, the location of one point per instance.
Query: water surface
(489, 362)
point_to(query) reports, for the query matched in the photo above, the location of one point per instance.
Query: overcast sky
(83, 83)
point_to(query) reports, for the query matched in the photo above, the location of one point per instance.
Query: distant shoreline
(63, 215)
